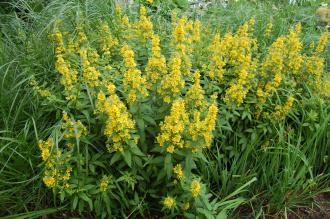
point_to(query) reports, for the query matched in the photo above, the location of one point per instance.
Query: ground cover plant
(111, 110)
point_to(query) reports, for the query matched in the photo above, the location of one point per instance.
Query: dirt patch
(319, 210)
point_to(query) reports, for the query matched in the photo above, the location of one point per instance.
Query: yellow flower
(185, 206)
(322, 42)
(68, 76)
(282, 111)
(42, 92)
(209, 124)
(134, 83)
(271, 69)
(45, 154)
(49, 181)
(292, 50)
(195, 95)
(82, 38)
(145, 26)
(107, 41)
(173, 83)
(156, 66)
(170, 149)
(104, 183)
(216, 60)
(58, 40)
(178, 171)
(90, 73)
(45, 147)
(101, 97)
(196, 31)
(67, 175)
(173, 127)
(119, 125)
(118, 9)
(72, 128)
(195, 188)
(239, 49)
(169, 202)
(269, 29)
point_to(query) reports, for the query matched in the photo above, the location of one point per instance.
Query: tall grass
(290, 170)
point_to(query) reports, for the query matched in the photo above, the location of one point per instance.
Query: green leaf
(75, 202)
(157, 160)
(106, 199)
(62, 196)
(136, 150)
(140, 124)
(127, 157)
(205, 212)
(188, 163)
(149, 120)
(115, 158)
(138, 161)
(133, 109)
(222, 215)
(86, 199)
(168, 165)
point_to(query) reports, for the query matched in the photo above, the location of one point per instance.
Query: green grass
(289, 171)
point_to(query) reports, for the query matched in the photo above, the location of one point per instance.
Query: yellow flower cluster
(169, 202)
(195, 188)
(42, 92)
(238, 52)
(322, 42)
(82, 38)
(119, 124)
(179, 35)
(45, 148)
(156, 66)
(173, 127)
(125, 28)
(315, 63)
(172, 83)
(107, 41)
(216, 60)
(178, 171)
(144, 26)
(292, 51)
(283, 61)
(57, 173)
(90, 73)
(325, 88)
(134, 83)
(203, 129)
(69, 77)
(271, 69)
(185, 35)
(195, 98)
(72, 46)
(72, 128)
(196, 36)
(177, 125)
(57, 177)
(104, 183)
(185, 206)
(59, 45)
(282, 111)
(269, 29)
